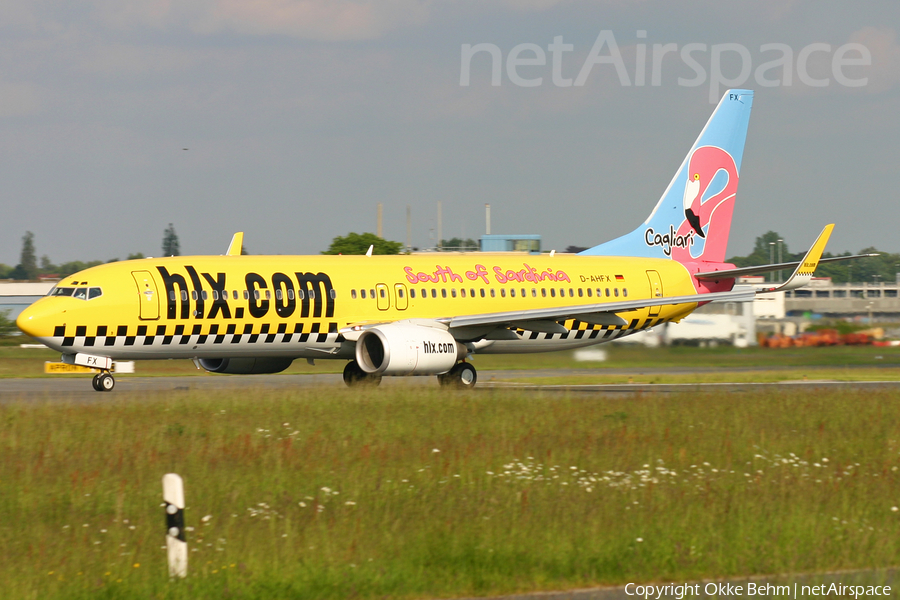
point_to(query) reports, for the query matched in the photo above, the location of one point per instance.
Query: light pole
(771, 258)
(780, 244)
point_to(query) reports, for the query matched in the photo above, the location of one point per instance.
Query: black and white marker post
(176, 541)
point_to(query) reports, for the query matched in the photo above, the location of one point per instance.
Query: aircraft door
(656, 291)
(400, 299)
(149, 298)
(382, 296)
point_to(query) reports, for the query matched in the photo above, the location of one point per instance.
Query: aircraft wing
(586, 311)
(545, 319)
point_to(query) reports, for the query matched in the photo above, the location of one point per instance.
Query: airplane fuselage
(295, 306)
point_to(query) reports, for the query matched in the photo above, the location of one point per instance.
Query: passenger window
(268, 295)
(462, 293)
(234, 294)
(443, 292)
(543, 292)
(215, 295)
(607, 292)
(278, 294)
(512, 293)
(246, 294)
(184, 295)
(256, 294)
(203, 295)
(172, 295)
(625, 292)
(472, 292)
(362, 294)
(412, 292)
(301, 295)
(312, 294)
(581, 292)
(617, 292)
(503, 292)
(291, 294)
(589, 292)
(193, 294)
(453, 292)
(553, 292)
(571, 293)
(523, 292)
(332, 293)
(353, 294)
(433, 293)
(493, 293)
(482, 292)
(94, 293)
(534, 292)
(371, 294)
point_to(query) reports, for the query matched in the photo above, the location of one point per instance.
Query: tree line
(768, 248)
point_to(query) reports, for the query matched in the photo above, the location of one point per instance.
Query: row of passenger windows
(81, 293)
(523, 293)
(257, 294)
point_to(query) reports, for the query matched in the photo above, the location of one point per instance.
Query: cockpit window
(82, 293)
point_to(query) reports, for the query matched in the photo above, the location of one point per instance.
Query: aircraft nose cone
(35, 320)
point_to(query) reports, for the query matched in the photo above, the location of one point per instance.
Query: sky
(291, 120)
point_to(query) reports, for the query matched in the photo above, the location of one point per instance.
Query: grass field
(332, 493)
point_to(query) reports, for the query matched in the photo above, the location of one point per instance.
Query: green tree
(459, 244)
(27, 269)
(5, 271)
(7, 325)
(136, 256)
(170, 246)
(358, 243)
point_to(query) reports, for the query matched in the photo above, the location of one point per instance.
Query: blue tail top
(692, 220)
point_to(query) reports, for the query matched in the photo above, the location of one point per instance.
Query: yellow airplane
(424, 314)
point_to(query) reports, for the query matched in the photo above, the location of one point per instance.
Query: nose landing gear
(103, 381)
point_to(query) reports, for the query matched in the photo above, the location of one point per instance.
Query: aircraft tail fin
(692, 219)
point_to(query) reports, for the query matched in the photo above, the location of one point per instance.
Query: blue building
(528, 242)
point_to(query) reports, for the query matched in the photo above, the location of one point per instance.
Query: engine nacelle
(407, 349)
(245, 366)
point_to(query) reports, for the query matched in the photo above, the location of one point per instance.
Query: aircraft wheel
(96, 383)
(463, 376)
(355, 376)
(105, 382)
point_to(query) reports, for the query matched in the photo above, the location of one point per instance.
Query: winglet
(804, 271)
(237, 242)
(369, 251)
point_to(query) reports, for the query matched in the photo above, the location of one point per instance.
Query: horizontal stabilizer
(759, 270)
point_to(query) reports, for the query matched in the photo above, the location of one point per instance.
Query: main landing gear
(462, 376)
(354, 376)
(103, 381)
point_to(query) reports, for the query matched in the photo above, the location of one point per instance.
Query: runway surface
(79, 388)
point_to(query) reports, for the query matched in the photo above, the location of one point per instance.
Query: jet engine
(406, 348)
(245, 366)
